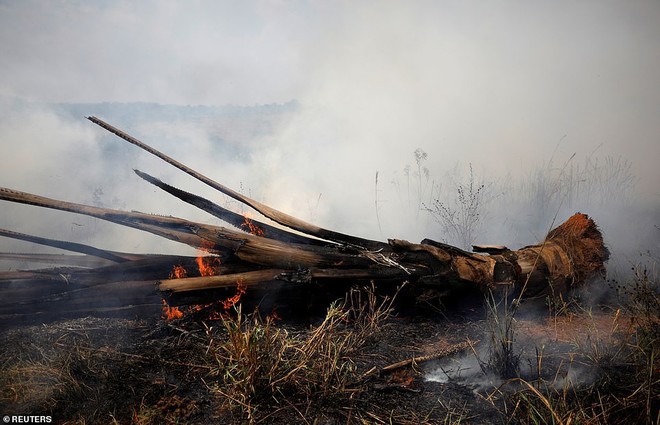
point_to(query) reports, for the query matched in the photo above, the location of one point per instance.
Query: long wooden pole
(275, 215)
(237, 220)
(115, 257)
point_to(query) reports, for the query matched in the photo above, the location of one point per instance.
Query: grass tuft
(261, 365)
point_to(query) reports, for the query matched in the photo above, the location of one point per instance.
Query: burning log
(257, 255)
(246, 279)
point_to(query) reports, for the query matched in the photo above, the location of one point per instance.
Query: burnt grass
(100, 370)
(152, 371)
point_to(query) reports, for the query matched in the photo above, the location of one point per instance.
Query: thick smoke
(543, 102)
(512, 91)
(53, 156)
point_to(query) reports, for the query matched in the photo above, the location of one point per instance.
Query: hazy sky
(496, 83)
(523, 72)
(216, 52)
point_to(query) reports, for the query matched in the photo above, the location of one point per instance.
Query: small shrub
(461, 221)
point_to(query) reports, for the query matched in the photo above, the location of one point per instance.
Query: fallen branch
(237, 220)
(451, 350)
(116, 257)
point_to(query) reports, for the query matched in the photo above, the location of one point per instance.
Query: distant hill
(131, 113)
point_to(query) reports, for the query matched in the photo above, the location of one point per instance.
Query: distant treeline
(146, 111)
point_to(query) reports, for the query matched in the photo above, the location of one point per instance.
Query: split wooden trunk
(289, 252)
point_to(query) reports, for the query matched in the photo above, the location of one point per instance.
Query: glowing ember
(251, 227)
(208, 266)
(233, 300)
(402, 377)
(178, 272)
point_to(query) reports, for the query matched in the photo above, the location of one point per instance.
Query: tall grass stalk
(503, 359)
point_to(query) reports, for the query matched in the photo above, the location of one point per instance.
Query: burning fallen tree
(256, 255)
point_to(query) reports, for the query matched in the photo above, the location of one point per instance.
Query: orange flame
(251, 227)
(233, 300)
(171, 313)
(208, 266)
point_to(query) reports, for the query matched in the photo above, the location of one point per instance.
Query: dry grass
(503, 360)
(261, 365)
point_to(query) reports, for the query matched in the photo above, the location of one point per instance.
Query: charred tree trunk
(258, 255)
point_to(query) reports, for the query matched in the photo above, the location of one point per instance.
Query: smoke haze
(511, 88)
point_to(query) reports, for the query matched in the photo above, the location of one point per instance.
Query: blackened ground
(149, 371)
(100, 370)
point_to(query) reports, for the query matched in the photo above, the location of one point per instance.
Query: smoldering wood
(106, 294)
(17, 275)
(278, 258)
(153, 267)
(251, 248)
